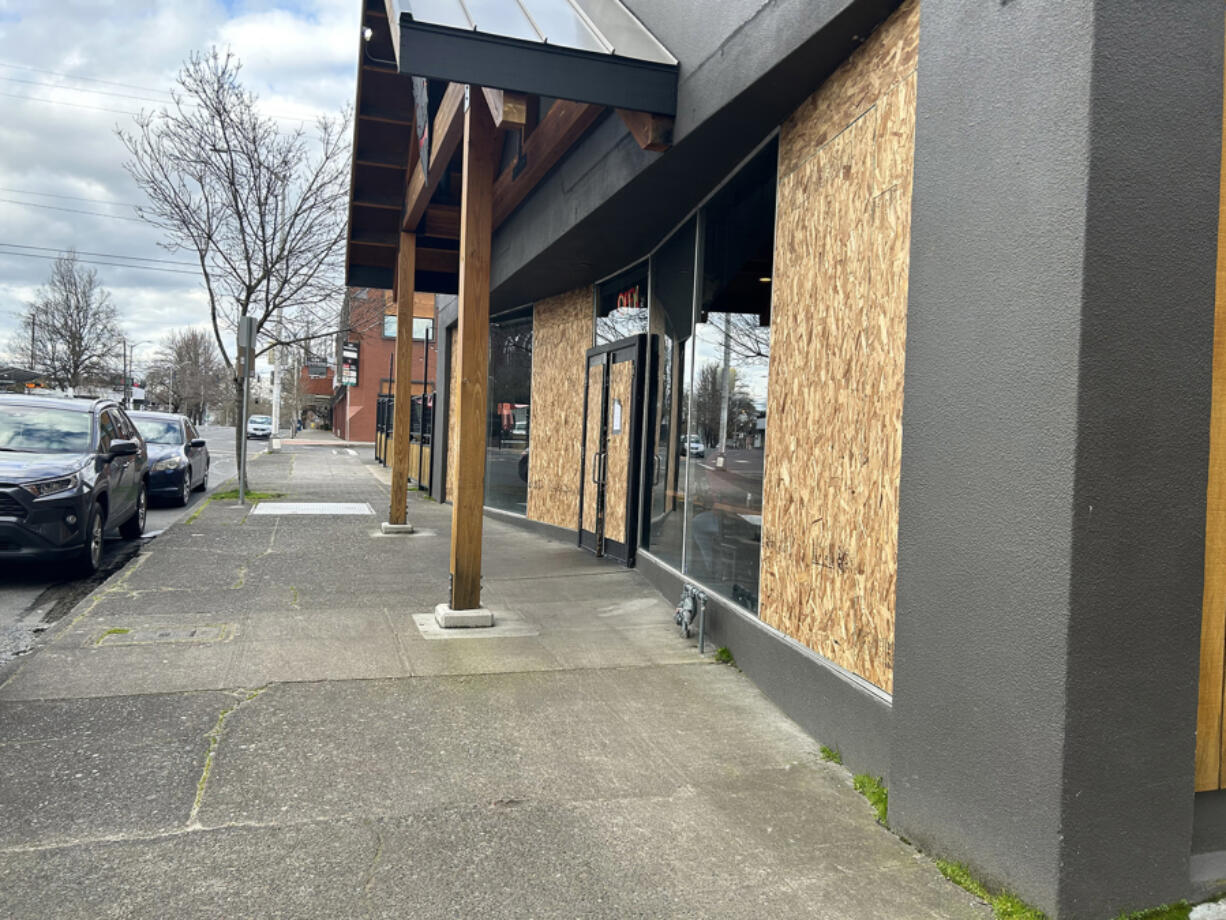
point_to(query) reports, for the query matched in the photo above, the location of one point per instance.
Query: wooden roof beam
(506, 108)
(653, 132)
(446, 133)
(553, 137)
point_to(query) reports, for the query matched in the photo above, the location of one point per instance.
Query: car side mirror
(123, 448)
(196, 442)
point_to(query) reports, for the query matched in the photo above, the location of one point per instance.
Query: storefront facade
(856, 355)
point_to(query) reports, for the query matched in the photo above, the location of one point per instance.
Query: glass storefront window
(621, 305)
(726, 441)
(509, 415)
(671, 326)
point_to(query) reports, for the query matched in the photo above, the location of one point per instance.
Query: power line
(143, 268)
(53, 207)
(104, 255)
(57, 73)
(79, 105)
(75, 105)
(21, 191)
(81, 89)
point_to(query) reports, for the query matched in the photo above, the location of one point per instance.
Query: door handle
(596, 468)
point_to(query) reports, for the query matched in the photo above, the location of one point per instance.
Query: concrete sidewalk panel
(87, 768)
(259, 663)
(66, 672)
(304, 872)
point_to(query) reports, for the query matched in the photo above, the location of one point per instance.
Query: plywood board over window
(561, 335)
(838, 338)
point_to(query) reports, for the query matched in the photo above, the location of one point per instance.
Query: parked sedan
(69, 469)
(178, 457)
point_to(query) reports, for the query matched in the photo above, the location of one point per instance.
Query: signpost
(349, 364)
(246, 362)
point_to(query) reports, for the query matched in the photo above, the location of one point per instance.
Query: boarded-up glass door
(608, 504)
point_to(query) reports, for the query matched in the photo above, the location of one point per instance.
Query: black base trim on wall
(541, 529)
(835, 707)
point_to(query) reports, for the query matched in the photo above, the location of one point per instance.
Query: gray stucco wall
(1055, 443)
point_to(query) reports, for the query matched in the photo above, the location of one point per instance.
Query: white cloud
(299, 58)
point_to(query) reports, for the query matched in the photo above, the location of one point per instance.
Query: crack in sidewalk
(214, 738)
(375, 859)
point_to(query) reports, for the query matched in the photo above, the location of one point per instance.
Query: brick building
(366, 358)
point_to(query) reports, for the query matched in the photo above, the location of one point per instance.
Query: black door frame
(634, 349)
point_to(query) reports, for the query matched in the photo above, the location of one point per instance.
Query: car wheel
(134, 526)
(90, 558)
(204, 481)
(185, 491)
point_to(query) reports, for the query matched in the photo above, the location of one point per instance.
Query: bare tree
(188, 375)
(70, 333)
(263, 211)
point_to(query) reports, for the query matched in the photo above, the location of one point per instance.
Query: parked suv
(69, 469)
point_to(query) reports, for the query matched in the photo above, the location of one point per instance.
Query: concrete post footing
(449, 619)
(396, 528)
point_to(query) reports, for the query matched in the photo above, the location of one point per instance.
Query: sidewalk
(249, 721)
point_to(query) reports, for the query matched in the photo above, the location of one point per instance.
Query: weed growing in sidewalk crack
(214, 739)
(1180, 910)
(831, 756)
(232, 495)
(724, 656)
(1005, 906)
(874, 790)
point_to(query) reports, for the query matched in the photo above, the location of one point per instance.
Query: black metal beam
(482, 59)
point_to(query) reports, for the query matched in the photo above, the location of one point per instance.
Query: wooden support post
(472, 352)
(402, 413)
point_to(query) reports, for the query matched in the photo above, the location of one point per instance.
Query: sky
(72, 71)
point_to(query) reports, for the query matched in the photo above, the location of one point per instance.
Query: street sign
(245, 360)
(349, 364)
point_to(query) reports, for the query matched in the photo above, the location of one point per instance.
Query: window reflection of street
(509, 414)
(713, 352)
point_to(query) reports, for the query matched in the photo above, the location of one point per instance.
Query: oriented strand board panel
(617, 464)
(838, 341)
(889, 57)
(453, 388)
(1209, 734)
(561, 335)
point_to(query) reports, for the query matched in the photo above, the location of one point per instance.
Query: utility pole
(127, 403)
(726, 387)
(246, 349)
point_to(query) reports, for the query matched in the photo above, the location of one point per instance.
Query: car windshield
(260, 420)
(44, 429)
(160, 430)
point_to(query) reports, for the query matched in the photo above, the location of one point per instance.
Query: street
(34, 595)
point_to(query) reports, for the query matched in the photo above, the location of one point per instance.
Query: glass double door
(612, 428)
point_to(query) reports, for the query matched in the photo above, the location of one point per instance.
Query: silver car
(259, 426)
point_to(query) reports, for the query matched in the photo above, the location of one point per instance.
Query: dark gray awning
(592, 51)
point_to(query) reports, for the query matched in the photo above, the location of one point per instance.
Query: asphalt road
(33, 595)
